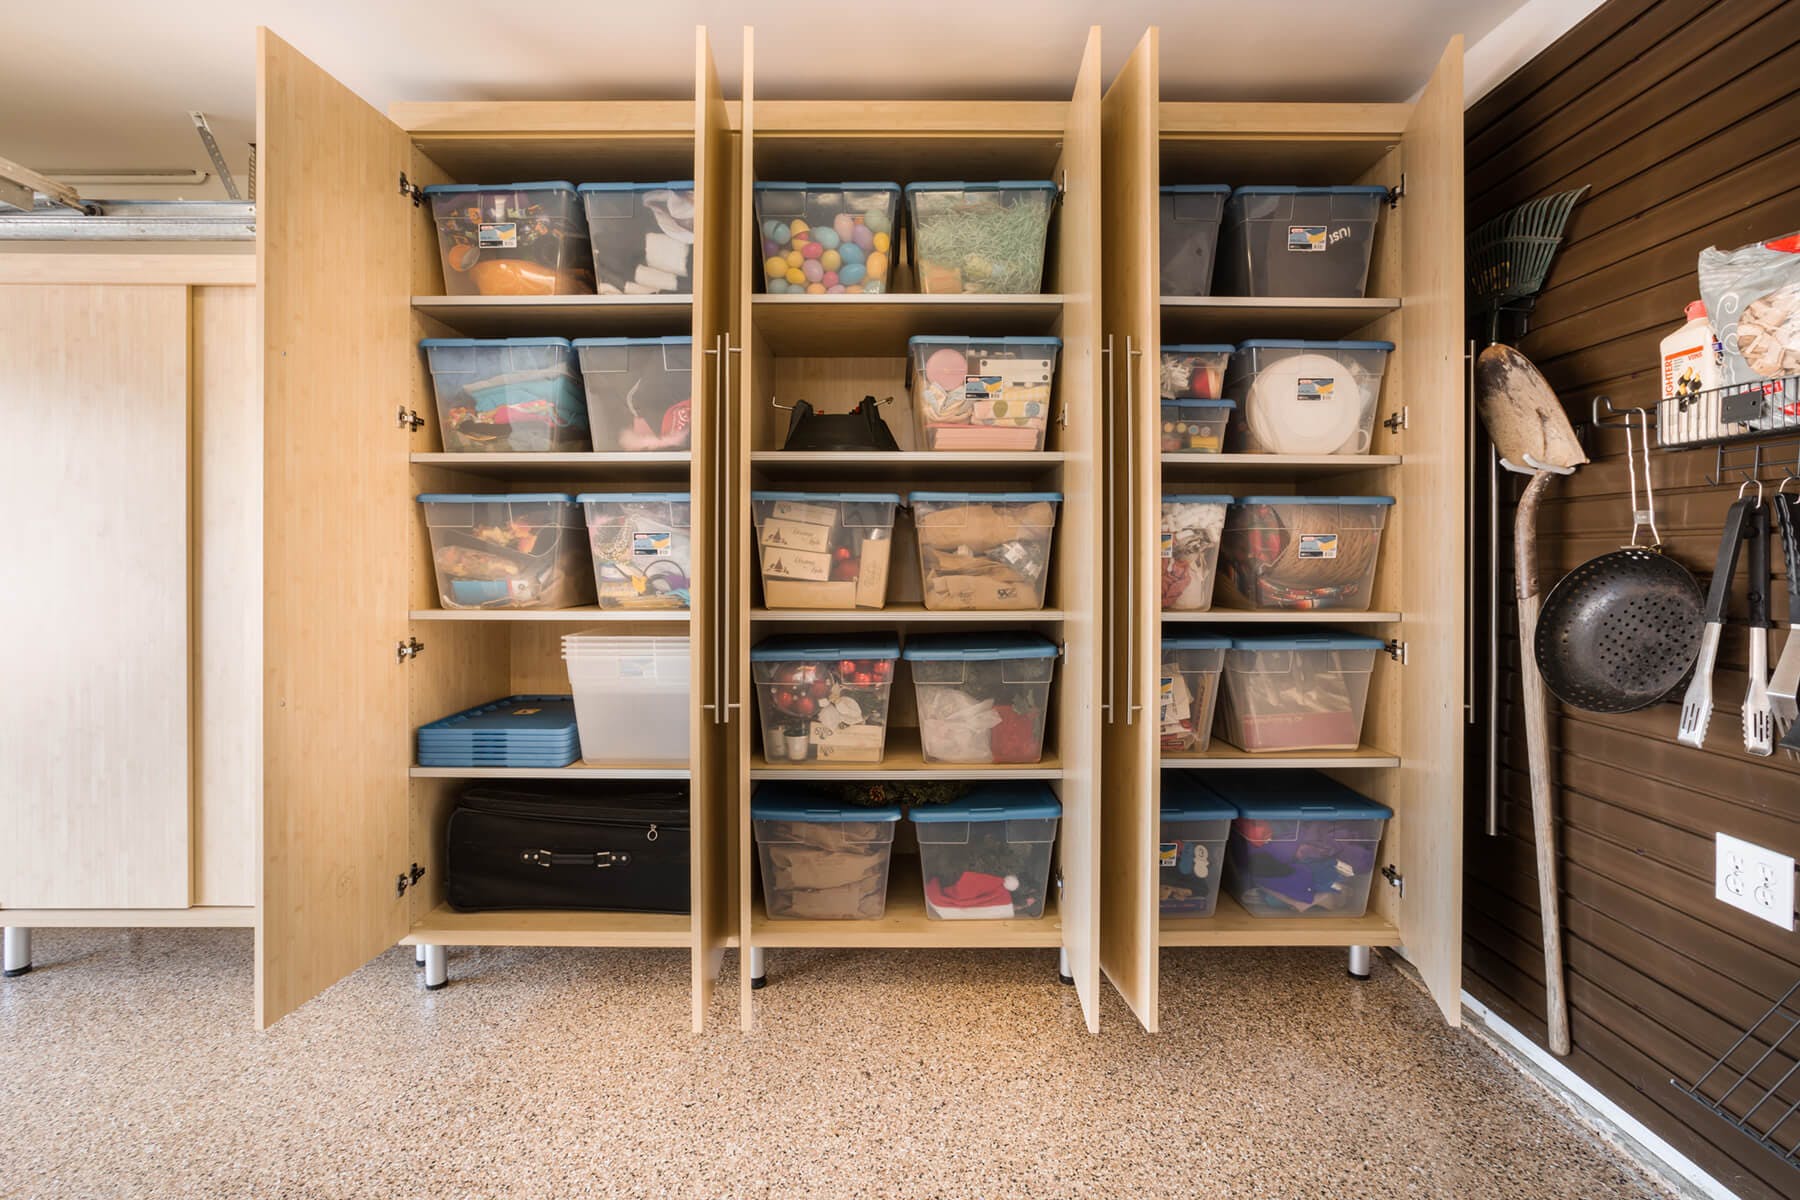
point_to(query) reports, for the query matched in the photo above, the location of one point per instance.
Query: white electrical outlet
(1759, 881)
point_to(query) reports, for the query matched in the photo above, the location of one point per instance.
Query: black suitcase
(610, 848)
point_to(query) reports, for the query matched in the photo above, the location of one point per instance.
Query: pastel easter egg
(865, 237)
(796, 276)
(834, 288)
(815, 289)
(769, 228)
(852, 273)
(843, 225)
(830, 277)
(775, 267)
(812, 250)
(850, 252)
(777, 286)
(771, 247)
(882, 242)
(832, 260)
(876, 220)
(798, 227)
(856, 288)
(813, 271)
(795, 258)
(877, 265)
(779, 234)
(827, 238)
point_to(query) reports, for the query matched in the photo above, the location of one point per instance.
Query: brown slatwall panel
(1684, 117)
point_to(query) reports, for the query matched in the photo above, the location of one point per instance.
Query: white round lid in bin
(1294, 401)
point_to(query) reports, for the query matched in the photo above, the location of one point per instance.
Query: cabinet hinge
(1395, 879)
(1395, 422)
(1396, 650)
(408, 419)
(412, 190)
(1394, 193)
(407, 879)
(411, 648)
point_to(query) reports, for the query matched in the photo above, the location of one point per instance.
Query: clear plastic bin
(828, 238)
(1296, 691)
(1191, 527)
(982, 697)
(824, 699)
(821, 860)
(980, 238)
(497, 395)
(1303, 845)
(1298, 241)
(1196, 824)
(824, 549)
(982, 393)
(642, 547)
(984, 550)
(639, 392)
(643, 236)
(1188, 690)
(512, 550)
(1195, 370)
(631, 697)
(512, 239)
(986, 857)
(1302, 552)
(1301, 397)
(1195, 426)
(1189, 228)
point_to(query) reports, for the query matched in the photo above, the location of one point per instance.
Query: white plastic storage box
(982, 393)
(828, 238)
(986, 857)
(1298, 241)
(497, 395)
(512, 239)
(1293, 691)
(982, 697)
(1190, 857)
(1188, 690)
(643, 237)
(823, 698)
(1303, 844)
(639, 392)
(984, 550)
(1195, 426)
(1189, 228)
(821, 860)
(631, 697)
(1192, 523)
(642, 547)
(824, 549)
(1195, 370)
(980, 238)
(1302, 552)
(509, 550)
(1300, 397)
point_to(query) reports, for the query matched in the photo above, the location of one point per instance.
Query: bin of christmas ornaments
(639, 392)
(827, 238)
(509, 550)
(984, 550)
(824, 549)
(821, 859)
(1191, 525)
(1303, 844)
(985, 238)
(824, 698)
(497, 395)
(1305, 397)
(1302, 552)
(1296, 691)
(1298, 241)
(982, 393)
(986, 857)
(1196, 824)
(512, 239)
(1188, 224)
(642, 548)
(1188, 689)
(643, 237)
(982, 697)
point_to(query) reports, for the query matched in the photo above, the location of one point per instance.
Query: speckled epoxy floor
(128, 1067)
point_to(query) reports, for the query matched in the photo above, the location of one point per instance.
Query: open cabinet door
(333, 240)
(1128, 936)
(1432, 544)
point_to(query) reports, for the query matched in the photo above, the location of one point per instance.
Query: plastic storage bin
(982, 697)
(639, 392)
(642, 548)
(1195, 370)
(497, 395)
(986, 857)
(1303, 844)
(511, 550)
(1298, 241)
(831, 238)
(1196, 824)
(643, 237)
(823, 698)
(512, 239)
(631, 697)
(1296, 691)
(821, 860)
(982, 393)
(1302, 552)
(1191, 527)
(980, 238)
(1301, 397)
(984, 550)
(824, 549)
(1188, 690)
(1195, 426)
(1189, 226)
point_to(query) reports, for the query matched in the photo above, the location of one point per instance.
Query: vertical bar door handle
(1131, 430)
(1112, 577)
(715, 706)
(727, 645)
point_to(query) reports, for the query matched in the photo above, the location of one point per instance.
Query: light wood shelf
(583, 616)
(905, 924)
(1230, 925)
(905, 466)
(672, 466)
(445, 926)
(911, 614)
(1238, 318)
(903, 760)
(881, 324)
(560, 316)
(1223, 755)
(656, 770)
(1239, 467)
(1236, 616)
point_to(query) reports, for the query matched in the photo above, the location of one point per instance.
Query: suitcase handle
(599, 859)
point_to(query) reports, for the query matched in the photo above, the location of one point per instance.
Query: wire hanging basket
(1509, 256)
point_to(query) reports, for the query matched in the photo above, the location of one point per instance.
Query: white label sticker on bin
(1013, 370)
(1169, 852)
(1168, 545)
(498, 235)
(1318, 545)
(637, 668)
(1306, 238)
(652, 543)
(1315, 389)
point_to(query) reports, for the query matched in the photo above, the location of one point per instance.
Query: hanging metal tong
(1785, 682)
(1697, 705)
(1759, 716)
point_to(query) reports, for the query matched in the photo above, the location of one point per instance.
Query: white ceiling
(108, 85)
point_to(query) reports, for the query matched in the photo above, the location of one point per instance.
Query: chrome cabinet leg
(18, 951)
(437, 969)
(758, 967)
(418, 956)
(1359, 962)
(1062, 967)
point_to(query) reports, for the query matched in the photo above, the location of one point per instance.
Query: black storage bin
(600, 847)
(1298, 241)
(1189, 232)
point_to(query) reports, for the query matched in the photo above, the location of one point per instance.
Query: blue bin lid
(1353, 189)
(832, 497)
(496, 498)
(1196, 189)
(1328, 640)
(1366, 501)
(676, 184)
(822, 645)
(640, 497)
(985, 185)
(1167, 403)
(431, 343)
(1185, 797)
(1195, 498)
(977, 647)
(1008, 800)
(984, 497)
(940, 339)
(1196, 641)
(782, 801)
(549, 714)
(541, 185)
(785, 185)
(673, 340)
(1200, 347)
(1289, 795)
(1306, 344)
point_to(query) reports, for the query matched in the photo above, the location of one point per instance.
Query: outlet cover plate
(1759, 881)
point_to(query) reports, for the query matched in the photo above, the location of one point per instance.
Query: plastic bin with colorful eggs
(1302, 552)
(642, 547)
(827, 550)
(643, 237)
(639, 392)
(1305, 397)
(982, 393)
(512, 239)
(501, 395)
(1298, 241)
(1296, 691)
(827, 238)
(983, 551)
(1188, 689)
(1303, 844)
(982, 697)
(509, 550)
(1190, 857)
(1191, 526)
(986, 856)
(823, 699)
(821, 859)
(980, 238)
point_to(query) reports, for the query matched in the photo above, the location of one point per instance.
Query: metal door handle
(726, 703)
(1131, 432)
(1112, 577)
(717, 354)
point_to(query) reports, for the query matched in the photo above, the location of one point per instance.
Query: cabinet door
(333, 246)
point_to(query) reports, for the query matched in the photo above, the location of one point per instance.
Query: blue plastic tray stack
(519, 731)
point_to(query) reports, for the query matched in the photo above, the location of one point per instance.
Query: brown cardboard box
(854, 743)
(872, 573)
(794, 535)
(780, 563)
(795, 593)
(811, 514)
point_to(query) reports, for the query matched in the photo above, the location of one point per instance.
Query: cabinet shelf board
(1221, 754)
(855, 326)
(903, 760)
(671, 466)
(871, 467)
(446, 927)
(904, 925)
(658, 770)
(1192, 467)
(910, 613)
(583, 616)
(1235, 616)
(560, 316)
(1235, 318)
(1230, 925)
